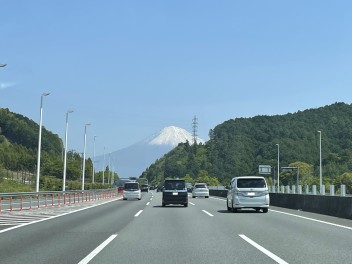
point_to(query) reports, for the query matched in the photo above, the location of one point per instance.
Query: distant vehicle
(189, 187)
(145, 188)
(120, 189)
(248, 192)
(132, 191)
(200, 190)
(175, 192)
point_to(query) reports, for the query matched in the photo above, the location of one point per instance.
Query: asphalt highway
(204, 232)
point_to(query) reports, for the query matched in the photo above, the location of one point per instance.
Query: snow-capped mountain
(133, 160)
(171, 136)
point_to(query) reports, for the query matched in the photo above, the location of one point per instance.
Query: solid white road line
(191, 203)
(265, 251)
(96, 251)
(207, 213)
(147, 203)
(312, 219)
(137, 214)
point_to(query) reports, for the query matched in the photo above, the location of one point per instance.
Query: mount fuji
(133, 160)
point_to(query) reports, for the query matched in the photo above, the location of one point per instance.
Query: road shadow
(169, 206)
(243, 211)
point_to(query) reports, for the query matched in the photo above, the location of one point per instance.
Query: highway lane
(206, 233)
(69, 238)
(144, 231)
(290, 236)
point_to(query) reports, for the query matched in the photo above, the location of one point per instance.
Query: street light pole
(84, 154)
(65, 154)
(320, 165)
(93, 160)
(109, 174)
(104, 166)
(278, 167)
(40, 140)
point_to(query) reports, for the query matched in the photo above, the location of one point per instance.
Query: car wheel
(124, 198)
(206, 196)
(139, 198)
(186, 205)
(234, 210)
(265, 210)
(163, 204)
(227, 205)
(193, 197)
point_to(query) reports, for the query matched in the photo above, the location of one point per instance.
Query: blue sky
(131, 68)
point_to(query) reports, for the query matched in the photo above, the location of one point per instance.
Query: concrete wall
(329, 205)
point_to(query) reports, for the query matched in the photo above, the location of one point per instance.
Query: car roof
(248, 177)
(174, 180)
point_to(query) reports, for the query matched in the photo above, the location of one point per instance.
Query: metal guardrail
(31, 200)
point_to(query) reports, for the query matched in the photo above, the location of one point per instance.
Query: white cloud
(7, 85)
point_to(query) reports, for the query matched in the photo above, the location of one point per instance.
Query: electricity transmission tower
(195, 129)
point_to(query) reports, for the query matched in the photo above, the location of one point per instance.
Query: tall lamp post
(65, 155)
(40, 140)
(104, 166)
(320, 165)
(93, 160)
(84, 154)
(278, 167)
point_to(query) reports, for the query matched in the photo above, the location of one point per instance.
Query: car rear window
(251, 183)
(200, 186)
(175, 185)
(131, 186)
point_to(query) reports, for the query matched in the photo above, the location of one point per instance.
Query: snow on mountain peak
(172, 136)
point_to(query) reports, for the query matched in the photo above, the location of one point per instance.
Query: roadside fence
(32, 200)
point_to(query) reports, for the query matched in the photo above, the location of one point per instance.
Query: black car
(144, 187)
(175, 192)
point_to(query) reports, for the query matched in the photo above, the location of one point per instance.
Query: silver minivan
(132, 190)
(248, 192)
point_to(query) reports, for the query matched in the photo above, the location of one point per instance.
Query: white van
(132, 191)
(248, 192)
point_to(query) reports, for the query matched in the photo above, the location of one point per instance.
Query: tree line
(18, 153)
(238, 146)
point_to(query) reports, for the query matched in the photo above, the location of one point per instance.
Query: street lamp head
(70, 111)
(3, 65)
(319, 131)
(88, 124)
(45, 94)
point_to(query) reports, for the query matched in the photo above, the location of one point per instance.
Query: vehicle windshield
(175, 185)
(200, 186)
(131, 186)
(251, 183)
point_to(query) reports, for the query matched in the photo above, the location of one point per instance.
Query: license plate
(251, 193)
(175, 193)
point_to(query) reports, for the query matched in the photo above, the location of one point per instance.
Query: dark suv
(175, 192)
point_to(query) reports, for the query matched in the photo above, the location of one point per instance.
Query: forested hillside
(18, 153)
(238, 146)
